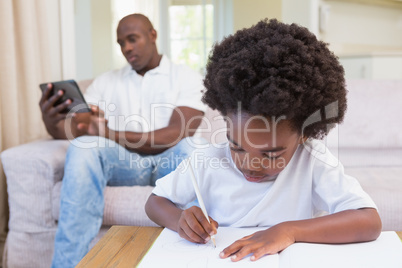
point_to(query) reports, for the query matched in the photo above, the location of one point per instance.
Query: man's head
(137, 39)
(277, 70)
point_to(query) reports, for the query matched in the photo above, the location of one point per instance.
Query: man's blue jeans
(92, 163)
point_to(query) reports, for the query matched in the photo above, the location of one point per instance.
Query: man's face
(261, 148)
(137, 43)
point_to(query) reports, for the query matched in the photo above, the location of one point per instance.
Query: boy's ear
(303, 139)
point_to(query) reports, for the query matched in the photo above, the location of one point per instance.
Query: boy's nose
(254, 165)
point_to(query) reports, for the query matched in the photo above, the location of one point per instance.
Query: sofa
(368, 143)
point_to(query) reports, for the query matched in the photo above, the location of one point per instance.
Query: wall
(94, 37)
(302, 12)
(248, 13)
(361, 28)
(351, 27)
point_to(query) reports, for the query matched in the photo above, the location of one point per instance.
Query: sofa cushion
(123, 205)
(369, 157)
(384, 185)
(32, 169)
(373, 116)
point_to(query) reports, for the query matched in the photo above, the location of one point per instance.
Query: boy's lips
(253, 178)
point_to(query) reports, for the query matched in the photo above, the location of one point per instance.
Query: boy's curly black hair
(276, 69)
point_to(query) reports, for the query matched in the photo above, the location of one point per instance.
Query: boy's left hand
(270, 241)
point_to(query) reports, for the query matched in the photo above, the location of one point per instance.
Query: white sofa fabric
(34, 174)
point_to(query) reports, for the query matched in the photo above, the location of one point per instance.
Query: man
(146, 110)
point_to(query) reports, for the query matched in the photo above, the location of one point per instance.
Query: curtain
(29, 55)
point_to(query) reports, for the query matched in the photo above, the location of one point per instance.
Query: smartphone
(72, 92)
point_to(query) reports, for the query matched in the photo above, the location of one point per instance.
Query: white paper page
(386, 251)
(170, 250)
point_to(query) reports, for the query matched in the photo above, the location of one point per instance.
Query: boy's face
(261, 147)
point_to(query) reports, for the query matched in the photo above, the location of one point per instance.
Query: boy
(269, 81)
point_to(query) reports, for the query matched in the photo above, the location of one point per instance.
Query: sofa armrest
(32, 169)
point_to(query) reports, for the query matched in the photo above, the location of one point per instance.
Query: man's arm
(183, 123)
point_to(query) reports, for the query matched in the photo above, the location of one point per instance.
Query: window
(191, 32)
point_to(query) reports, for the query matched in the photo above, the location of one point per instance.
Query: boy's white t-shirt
(313, 182)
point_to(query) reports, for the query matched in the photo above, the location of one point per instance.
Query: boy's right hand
(194, 227)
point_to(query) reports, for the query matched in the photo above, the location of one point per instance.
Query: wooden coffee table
(121, 246)
(124, 246)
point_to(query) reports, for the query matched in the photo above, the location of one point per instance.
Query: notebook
(170, 250)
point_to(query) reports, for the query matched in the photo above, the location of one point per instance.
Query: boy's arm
(343, 227)
(163, 212)
(190, 224)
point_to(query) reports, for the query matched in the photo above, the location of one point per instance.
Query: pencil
(199, 197)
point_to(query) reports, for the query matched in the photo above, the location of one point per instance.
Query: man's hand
(96, 125)
(270, 241)
(52, 115)
(194, 227)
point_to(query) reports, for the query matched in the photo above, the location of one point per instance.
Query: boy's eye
(235, 148)
(272, 156)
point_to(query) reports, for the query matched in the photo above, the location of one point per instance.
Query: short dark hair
(277, 69)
